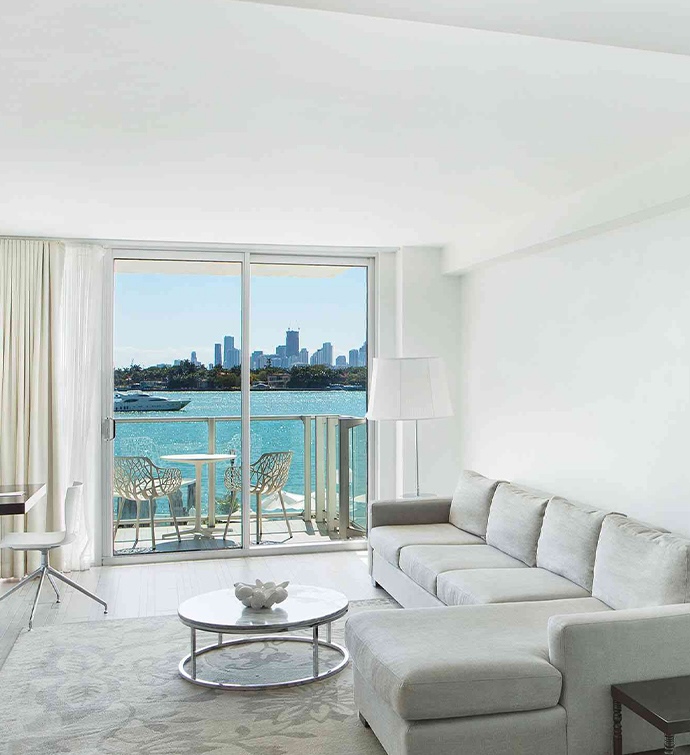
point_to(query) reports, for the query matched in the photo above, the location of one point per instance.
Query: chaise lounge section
(522, 610)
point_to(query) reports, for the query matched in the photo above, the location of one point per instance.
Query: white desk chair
(45, 542)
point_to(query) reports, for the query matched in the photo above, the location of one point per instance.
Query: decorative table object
(261, 594)
(220, 612)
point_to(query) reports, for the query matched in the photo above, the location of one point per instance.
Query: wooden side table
(664, 703)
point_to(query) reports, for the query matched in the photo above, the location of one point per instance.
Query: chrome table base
(314, 641)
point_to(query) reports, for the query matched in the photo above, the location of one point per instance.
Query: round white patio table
(198, 460)
(222, 613)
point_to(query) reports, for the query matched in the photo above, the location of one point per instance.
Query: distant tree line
(195, 377)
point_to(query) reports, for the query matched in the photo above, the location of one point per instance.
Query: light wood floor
(157, 589)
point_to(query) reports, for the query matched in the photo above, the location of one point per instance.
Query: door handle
(108, 429)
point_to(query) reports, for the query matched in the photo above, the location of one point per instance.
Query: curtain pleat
(30, 289)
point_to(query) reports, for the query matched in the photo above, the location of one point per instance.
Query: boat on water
(136, 401)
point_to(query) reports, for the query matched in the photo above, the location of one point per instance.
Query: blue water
(156, 439)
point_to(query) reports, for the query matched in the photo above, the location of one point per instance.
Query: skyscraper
(231, 355)
(218, 355)
(362, 357)
(324, 355)
(341, 361)
(353, 358)
(304, 356)
(228, 348)
(327, 353)
(193, 359)
(292, 343)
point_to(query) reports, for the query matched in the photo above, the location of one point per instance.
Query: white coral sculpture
(261, 594)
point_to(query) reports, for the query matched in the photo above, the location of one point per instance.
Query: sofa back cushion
(515, 521)
(638, 566)
(568, 540)
(469, 509)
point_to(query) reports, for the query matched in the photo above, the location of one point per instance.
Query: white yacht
(136, 401)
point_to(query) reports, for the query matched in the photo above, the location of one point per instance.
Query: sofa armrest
(410, 511)
(593, 651)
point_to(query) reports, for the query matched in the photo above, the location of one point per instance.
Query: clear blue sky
(161, 317)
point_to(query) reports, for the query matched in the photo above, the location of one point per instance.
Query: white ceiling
(248, 123)
(659, 25)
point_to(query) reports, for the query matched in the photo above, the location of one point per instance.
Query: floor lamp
(409, 388)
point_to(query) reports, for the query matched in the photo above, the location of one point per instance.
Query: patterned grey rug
(112, 687)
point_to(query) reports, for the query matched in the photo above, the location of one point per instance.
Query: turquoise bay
(157, 439)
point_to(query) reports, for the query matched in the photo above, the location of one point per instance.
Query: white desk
(19, 499)
(198, 460)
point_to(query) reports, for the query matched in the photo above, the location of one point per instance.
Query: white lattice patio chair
(138, 479)
(267, 475)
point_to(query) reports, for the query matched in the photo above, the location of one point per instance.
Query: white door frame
(245, 255)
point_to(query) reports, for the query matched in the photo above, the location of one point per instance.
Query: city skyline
(227, 355)
(160, 318)
(286, 355)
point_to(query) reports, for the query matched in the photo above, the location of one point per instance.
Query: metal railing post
(347, 527)
(331, 474)
(211, 424)
(344, 479)
(306, 421)
(320, 481)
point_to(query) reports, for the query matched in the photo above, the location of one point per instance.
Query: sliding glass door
(176, 456)
(308, 367)
(177, 406)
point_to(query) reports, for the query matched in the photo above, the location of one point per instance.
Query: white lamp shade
(409, 388)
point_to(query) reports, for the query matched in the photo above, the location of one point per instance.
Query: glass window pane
(177, 345)
(308, 370)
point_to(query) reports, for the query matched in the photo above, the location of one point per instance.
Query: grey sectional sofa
(523, 609)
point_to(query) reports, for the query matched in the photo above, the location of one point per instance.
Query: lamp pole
(416, 453)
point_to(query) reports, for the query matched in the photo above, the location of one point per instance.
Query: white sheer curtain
(50, 349)
(78, 374)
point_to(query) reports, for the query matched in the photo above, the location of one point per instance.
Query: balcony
(325, 495)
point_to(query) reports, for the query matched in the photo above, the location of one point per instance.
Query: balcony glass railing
(325, 494)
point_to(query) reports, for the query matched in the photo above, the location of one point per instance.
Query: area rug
(112, 687)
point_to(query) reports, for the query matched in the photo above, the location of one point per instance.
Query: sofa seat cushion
(424, 563)
(432, 663)
(479, 586)
(638, 566)
(387, 541)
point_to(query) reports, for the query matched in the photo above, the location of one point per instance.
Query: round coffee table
(222, 613)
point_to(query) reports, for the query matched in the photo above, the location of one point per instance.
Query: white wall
(644, 192)
(384, 433)
(418, 314)
(576, 370)
(428, 314)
